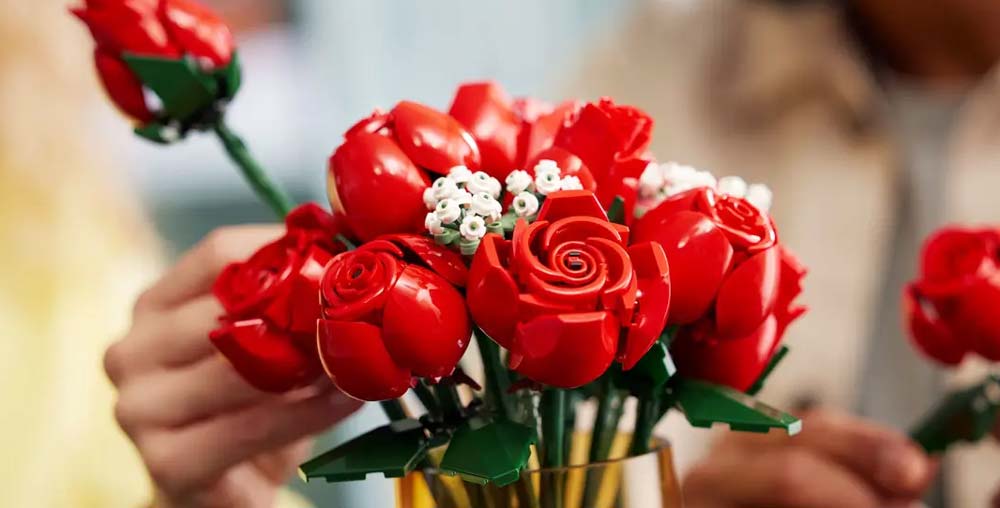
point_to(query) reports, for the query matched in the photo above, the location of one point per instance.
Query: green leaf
(704, 404)
(757, 385)
(393, 450)
(494, 451)
(965, 415)
(183, 88)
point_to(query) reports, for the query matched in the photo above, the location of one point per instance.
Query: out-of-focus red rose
(377, 177)
(567, 295)
(391, 312)
(272, 304)
(509, 132)
(737, 362)
(604, 145)
(159, 28)
(953, 307)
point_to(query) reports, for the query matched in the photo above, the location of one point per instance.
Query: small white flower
(448, 211)
(679, 178)
(429, 200)
(651, 181)
(760, 196)
(444, 188)
(547, 182)
(525, 204)
(546, 166)
(473, 228)
(462, 197)
(433, 223)
(482, 182)
(733, 186)
(570, 183)
(518, 181)
(460, 174)
(484, 205)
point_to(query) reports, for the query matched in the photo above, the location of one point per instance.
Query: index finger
(197, 269)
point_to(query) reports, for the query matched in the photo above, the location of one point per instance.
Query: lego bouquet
(585, 272)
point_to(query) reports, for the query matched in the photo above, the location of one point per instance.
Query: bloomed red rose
(953, 307)
(391, 312)
(567, 295)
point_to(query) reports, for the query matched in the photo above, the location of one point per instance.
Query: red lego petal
(930, 335)
(748, 294)
(356, 359)
(425, 323)
(492, 294)
(198, 31)
(653, 275)
(442, 260)
(432, 139)
(567, 350)
(486, 111)
(124, 89)
(267, 359)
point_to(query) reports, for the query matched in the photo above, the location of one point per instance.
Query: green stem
(427, 398)
(497, 381)
(645, 420)
(610, 406)
(451, 404)
(252, 171)
(393, 409)
(552, 409)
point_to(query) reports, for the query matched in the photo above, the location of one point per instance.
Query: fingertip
(903, 468)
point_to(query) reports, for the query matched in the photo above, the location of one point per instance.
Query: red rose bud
(604, 145)
(171, 30)
(377, 177)
(953, 307)
(700, 353)
(391, 312)
(271, 303)
(567, 296)
(508, 132)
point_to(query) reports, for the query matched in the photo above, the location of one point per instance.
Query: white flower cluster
(528, 191)
(465, 201)
(660, 181)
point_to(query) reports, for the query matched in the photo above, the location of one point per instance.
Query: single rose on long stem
(184, 54)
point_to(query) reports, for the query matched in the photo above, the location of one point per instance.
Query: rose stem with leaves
(610, 407)
(252, 171)
(552, 409)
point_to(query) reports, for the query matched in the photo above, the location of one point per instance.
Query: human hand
(836, 461)
(207, 438)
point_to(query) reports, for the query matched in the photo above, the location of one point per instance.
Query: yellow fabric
(74, 253)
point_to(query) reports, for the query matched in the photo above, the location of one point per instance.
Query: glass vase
(642, 481)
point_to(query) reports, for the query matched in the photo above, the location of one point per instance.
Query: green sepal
(508, 220)
(776, 358)
(446, 237)
(484, 451)
(965, 415)
(704, 404)
(183, 88)
(393, 450)
(468, 247)
(154, 131)
(230, 77)
(650, 374)
(495, 228)
(616, 212)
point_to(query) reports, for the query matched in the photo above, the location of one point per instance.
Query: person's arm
(206, 437)
(836, 461)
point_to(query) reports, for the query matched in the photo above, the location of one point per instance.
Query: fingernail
(900, 466)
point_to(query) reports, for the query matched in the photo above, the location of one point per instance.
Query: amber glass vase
(642, 481)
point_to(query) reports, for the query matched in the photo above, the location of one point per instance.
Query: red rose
(271, 303)
(737, 362)
(508, 132)
(954, 305)
(391, 312)
(567, 296)
(159, 28)
(604, 145)
(378, 175)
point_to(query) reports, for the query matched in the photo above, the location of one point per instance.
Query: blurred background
(874, 121)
